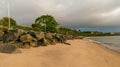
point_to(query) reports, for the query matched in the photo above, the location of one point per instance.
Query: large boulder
(28, 41)
(19, 32)
(39, 35)
(10, 36)
(9, 48)
(26, 38)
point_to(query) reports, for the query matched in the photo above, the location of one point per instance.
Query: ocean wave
(106, 45)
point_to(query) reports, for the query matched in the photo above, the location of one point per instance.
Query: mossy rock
(26, 38)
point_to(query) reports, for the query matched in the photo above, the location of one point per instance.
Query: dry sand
(79, 54)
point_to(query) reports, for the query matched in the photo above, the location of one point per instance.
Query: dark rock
(11, 36)
(9, 48)
(5, 30)
(67, 43)
(32, 33)
(1, 35)
(19, 44)
(42, 42)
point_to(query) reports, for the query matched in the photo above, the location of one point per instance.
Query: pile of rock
(26, 39)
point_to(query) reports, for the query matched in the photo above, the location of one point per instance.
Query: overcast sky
(74, 13)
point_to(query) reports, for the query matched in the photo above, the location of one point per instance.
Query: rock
(80, 37)
(57, 38)
(50, 38)
(32, 33)
(46, 42)
(9, 48)
(60, 38)
(42, 42)
(64, 39)
(26, 45)
(69, 37)
(39, 35)
(1, 33)
(11, 36)
(26, 38)
(28, 41)
(19, 44)
(33, 44)
(19, 32)
(67, 43)
(5, 30)
(1, 39)
(49, 35)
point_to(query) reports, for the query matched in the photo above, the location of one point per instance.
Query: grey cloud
(73, 13)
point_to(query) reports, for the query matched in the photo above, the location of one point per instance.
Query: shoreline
(80, 53)
(105, 45)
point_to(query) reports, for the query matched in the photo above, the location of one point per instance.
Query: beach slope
(80, 53)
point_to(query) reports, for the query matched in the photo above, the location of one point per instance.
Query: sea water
(111, 42)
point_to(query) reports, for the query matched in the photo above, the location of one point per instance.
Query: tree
(47, 23)
(36, 27)
(5, 22)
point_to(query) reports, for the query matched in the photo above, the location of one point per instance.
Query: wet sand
(80, 53)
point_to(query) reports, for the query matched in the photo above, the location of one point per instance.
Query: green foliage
(36, 27)
(67, 31)
(23, 28)
(46, 23)
(5, 22)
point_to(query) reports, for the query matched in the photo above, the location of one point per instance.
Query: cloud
(73, 13)
(3, 8)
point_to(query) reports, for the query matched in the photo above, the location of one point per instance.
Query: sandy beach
(80, 53)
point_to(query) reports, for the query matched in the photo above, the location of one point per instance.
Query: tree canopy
(46, 23)
(5, 22)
